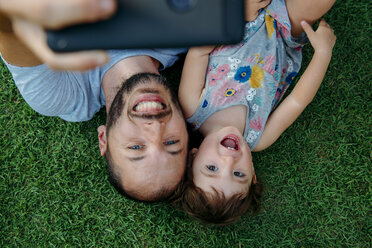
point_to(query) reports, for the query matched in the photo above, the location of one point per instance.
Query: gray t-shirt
(75, 96)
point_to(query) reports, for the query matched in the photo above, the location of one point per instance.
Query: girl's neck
(233, 116)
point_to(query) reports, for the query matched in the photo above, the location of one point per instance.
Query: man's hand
(30, 17)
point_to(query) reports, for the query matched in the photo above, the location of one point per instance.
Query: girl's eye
(171, 142)
(135, 147)
(212, 168)
(238, 174)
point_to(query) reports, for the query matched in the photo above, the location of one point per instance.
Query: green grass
(54, 190)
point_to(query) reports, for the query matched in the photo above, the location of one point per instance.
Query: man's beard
(117, 106)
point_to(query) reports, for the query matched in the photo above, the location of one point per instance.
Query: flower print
(290, 77)
(270, 25)
(256, 124)
(223, 70)
(229, 92)
(252, 92)
(257, 77)
(230, 74)
(290, 67)
(213, 79)
(269, 64)
(243, 74)
(234, 67)
(255, 107)
(231, 59)
(237, 61)
(205, 104)
(252, 136)
(249, 97)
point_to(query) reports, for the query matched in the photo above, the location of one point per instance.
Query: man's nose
(154, 129)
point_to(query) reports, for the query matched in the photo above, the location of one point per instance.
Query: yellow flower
(257, 77)
(269, 25)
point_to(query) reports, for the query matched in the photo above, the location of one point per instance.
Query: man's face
(148, 143)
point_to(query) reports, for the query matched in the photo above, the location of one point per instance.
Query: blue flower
(205, 104)
(290, 77)
(243, 74)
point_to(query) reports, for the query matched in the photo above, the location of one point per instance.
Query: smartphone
(157, 24)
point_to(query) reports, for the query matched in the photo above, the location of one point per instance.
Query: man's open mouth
(231, 142)
(149, 104)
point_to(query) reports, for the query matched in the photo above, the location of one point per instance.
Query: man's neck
(124, 69)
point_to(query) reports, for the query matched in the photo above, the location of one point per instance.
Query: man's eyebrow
(134, 159)
(176, 152)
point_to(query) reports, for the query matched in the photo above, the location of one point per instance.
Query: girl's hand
(323, 39)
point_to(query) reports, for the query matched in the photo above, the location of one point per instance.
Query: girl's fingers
(308, 29)
(57, 13)
(35, 38)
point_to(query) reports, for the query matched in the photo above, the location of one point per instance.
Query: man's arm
(293, 105)
(28, 20)
(193, 78)
(12, 49)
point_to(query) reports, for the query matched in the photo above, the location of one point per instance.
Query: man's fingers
(57, 13)
(79, 61)
(35, 38)
(308, 29)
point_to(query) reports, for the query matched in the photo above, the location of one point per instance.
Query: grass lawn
(54, 190)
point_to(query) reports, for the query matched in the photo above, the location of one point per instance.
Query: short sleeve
(277, 19)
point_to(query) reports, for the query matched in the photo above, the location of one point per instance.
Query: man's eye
(212, 168)
(171, 142)
(238, 174)
(135, 147)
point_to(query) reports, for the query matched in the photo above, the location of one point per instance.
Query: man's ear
(102, 139)
(192, 154)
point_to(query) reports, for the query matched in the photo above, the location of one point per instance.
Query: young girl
(230, 94)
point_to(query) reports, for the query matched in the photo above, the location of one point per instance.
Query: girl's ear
(254, 178)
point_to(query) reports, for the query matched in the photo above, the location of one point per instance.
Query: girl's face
(223, 162)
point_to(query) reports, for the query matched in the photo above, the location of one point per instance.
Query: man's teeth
(148, 106)
(231, 148)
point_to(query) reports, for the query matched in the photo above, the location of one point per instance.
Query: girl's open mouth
(231, 142)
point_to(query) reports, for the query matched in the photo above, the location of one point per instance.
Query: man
(145, 139)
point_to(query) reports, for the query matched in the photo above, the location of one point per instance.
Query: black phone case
(157, 24)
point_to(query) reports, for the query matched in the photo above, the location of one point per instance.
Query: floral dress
(255, 73)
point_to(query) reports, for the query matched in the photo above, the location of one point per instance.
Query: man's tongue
(229, 143)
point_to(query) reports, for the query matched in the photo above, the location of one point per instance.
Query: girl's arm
(193, 78)
(308, 10)
(287, 112)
